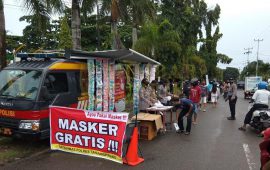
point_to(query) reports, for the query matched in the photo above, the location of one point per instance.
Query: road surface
(214, 144)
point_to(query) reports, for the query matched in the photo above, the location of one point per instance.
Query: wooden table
(163, 111)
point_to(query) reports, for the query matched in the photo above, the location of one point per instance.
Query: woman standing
(214, 96)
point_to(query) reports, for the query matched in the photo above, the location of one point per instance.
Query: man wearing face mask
(232, 97)
(145, 96)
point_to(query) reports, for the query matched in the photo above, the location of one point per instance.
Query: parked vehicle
(241, 85)
(251, 86)
(27, 89)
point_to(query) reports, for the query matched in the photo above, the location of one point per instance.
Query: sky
(241, 21)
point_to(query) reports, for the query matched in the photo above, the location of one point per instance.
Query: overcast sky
(241, 22)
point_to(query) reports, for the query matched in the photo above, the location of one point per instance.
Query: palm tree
(118, 9)
(135, 10)
(3, 62)
(140, 10)
(76, 25)
(45, 7)
(87, 6)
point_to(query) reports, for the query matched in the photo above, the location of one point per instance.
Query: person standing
(145, 96)
(187, 111)
(195, 97)
(209, 89)
(226, 89)
(163, 93)
(186, 88)
(153, 91)
(214, 96)
(232, 97)
(203, 96)
(260, 99)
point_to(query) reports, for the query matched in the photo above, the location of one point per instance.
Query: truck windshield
(19, 83)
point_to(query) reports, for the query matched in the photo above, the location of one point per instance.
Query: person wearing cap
(232, 97)
(145, 96)
(260, 99)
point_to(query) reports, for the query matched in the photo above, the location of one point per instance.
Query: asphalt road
(214, 144)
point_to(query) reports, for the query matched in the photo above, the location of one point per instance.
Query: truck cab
(28, 88)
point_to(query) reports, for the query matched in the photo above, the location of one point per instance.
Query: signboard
(92, 133)
(119, 94)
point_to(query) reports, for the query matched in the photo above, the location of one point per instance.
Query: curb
(26, 158)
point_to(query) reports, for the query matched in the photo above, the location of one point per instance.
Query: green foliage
(65, 40)
(183, 38)
(35, 38)
(13, 42)
(231, 72)
(199, 66)
(250, 70)
(224, 59)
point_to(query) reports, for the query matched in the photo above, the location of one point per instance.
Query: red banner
(120, 83)
(119, 91)
(92, 133)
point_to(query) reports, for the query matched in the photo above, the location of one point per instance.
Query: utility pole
(258, 40)
(248, 52)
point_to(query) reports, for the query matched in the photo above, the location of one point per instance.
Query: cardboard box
(149, 125)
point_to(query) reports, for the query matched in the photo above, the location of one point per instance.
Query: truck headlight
(29, 125)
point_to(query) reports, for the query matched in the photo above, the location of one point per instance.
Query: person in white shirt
(260, 99)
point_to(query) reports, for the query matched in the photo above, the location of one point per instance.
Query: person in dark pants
(187, 111)
(261, 99)
(232, 97)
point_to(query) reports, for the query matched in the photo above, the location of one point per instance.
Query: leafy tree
(199, 66)
(13, 42)
(65, 40)
(148, 40)
(231, 72)
(140, 10)
(250, 70)
(35, 38)
(42, 10)
(118, 11)
(3, 61)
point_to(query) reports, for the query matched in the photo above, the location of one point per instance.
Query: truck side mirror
(44, 93)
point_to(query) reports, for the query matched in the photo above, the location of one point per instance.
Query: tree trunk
(76, 25)
(116, 42)
(134, 36)
(3, 62)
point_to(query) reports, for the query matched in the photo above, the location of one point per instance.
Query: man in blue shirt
(187, 110)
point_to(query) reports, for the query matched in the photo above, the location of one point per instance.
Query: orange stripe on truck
(68, 66)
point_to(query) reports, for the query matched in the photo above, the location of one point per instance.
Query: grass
(12, 149)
